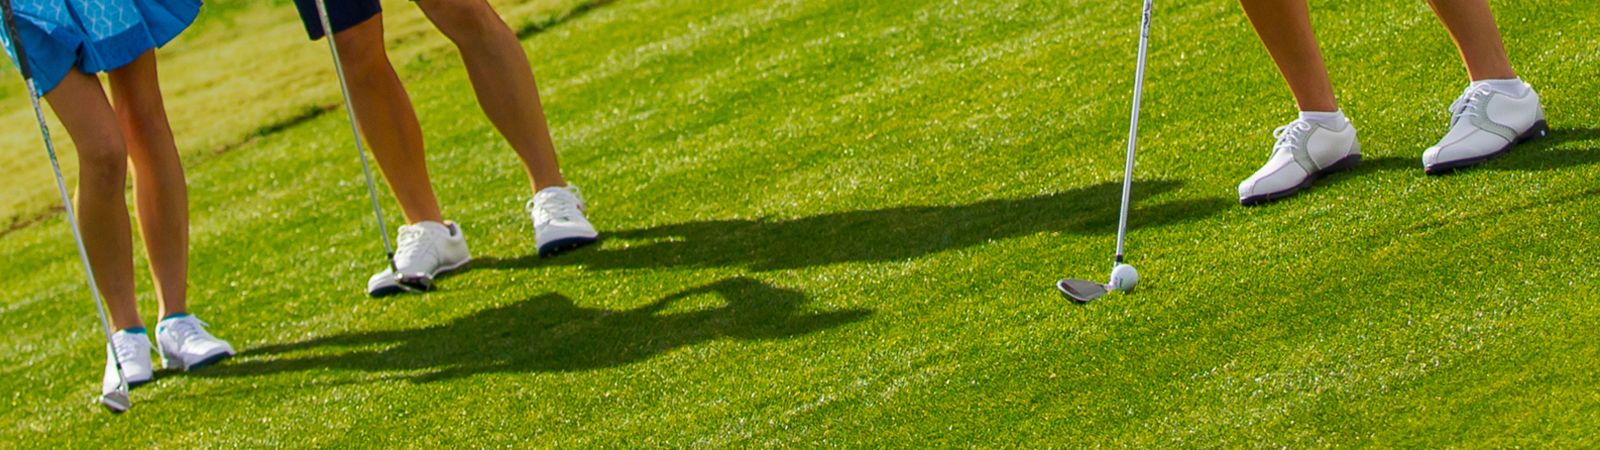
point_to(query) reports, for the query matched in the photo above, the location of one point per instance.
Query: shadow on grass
(550, 333)
(1536, 155)
(1541, 155)
(891, 234)
(526, 31)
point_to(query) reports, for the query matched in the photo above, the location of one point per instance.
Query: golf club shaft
(61, 184)
(1133, 131)
(355, 131)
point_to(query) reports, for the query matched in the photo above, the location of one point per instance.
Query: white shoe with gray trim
(1485, 123)
(133, 351)
(1305, 151)
(426, 251)
(186, 345)
(558, 221)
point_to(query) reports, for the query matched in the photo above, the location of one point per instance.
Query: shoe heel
(1349, 162)
(1538, 130)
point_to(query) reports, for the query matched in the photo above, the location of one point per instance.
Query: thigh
(81, 104)
(136, 87)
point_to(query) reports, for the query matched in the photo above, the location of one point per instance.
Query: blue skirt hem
(55, 45)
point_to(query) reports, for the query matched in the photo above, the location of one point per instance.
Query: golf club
(117, 400)
(1123, 276)
(416, 283)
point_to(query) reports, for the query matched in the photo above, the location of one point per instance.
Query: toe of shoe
(213, 348)
(382, 279)
(382, 288)
(137, 377)
(1261, 184)
(561, 231)
(1432, 156)
(200, 355)
(1247, 188)
(206, 359)
(559, 246)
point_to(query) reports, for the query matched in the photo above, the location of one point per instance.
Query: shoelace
(547, 208)
(127, 351)
(186, 329)
(1288, 135)
(1468, 104)
(415, 241)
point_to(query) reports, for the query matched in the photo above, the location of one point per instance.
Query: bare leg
(383, 108)
(1285, 28)
(158, 182)
(81, 105)
(503, 80)
(1471, 24)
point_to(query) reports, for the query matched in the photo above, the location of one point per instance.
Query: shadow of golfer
(1537, 155)
(1542, 154)
(875, 235)
(550, 333)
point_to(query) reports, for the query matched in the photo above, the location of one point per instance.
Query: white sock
(1335, 120)
(1513, 87)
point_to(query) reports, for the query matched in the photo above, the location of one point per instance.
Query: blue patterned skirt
(93, 35)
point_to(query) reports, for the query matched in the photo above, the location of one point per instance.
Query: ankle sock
(1335, 120)
(134, 330)
(1513, 86)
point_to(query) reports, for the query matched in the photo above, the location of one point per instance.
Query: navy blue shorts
(342, 14)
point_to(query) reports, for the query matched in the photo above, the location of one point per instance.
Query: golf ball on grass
(1124, 278)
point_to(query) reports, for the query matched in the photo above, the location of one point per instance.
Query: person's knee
(104, 157)
(361, 47)
(464, 20)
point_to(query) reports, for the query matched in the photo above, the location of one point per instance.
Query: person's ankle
(560, 183)
(1335, 119)
(1510, 86)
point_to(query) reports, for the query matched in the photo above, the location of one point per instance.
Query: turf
(836, 223)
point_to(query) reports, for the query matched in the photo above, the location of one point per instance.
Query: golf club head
(116, 401)
(1081, 291)
(415, 282)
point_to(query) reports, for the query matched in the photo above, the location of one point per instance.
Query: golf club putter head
(1081, 291)
(116, 401)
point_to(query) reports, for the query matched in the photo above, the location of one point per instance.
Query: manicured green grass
(836, 223)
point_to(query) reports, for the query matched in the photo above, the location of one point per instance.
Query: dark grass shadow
(1536, 155)
(1379, 164)
(550, 333)
(528, 30)
(892, 234)
(1542, 154)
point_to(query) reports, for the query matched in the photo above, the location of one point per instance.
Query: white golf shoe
(133, 350)
(558, 221)
(1305, 151)
(1485, 123)
(186, 345)
(427, 250)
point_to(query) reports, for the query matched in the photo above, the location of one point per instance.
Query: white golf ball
(1124, 278)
